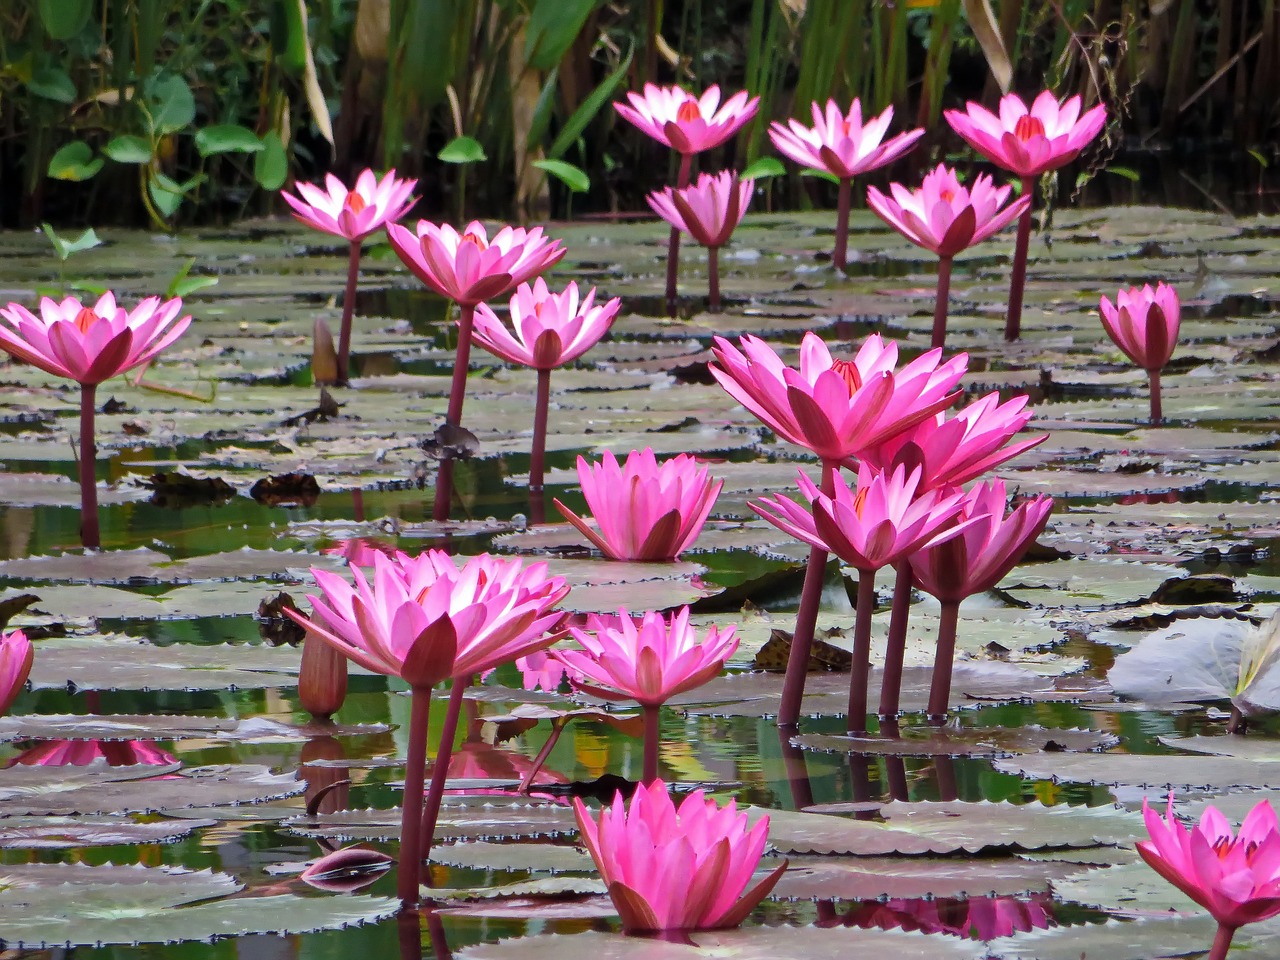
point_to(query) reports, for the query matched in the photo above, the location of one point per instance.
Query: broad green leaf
(127, 148)
(53, 83)
(172, 105)
(63, 19)
(574, 126)
(227, 138)
(65, 247)
(74, 161)
(763, 168)
(553, 26)
(572, 177)
(462, 150)
(165, 193)
(271, 164)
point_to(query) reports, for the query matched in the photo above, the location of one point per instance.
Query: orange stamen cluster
(354, 202)
(1224, 845)
(472, 238)
(85, 319)
(860, 500)
(849, 371)
(689, 110)
(1028, 127)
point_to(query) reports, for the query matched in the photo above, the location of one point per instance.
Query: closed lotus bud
(322, 679)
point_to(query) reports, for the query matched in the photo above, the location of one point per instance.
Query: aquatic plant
(548, 331)
(16, 657)
(1027, 141)
(1144, 324)
(644, 510)
(425, 620)
(687, 124)
(709, 211)
(352, 214)
(946, 217)
(671, 869)
(843, 146)
(90, 345)
(1235, 876)
(649, 662)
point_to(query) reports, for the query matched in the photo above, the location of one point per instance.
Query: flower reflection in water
(978, 918)
(80, 753)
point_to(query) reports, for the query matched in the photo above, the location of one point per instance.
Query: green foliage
(65, 247)
(74, 161)
(575, 178)
(462, 150)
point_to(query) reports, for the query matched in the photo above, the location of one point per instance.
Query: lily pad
(968, 742)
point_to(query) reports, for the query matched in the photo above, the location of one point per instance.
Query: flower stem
(1018, 276)
(860, 673)
(940, 308)
(444, 491)
(1157, 409)
(348, 310)
(652, 743)
(89, 535)
(538, 454)
(673, 240)
(1221, 942)
(944, 660)
(440, 770)
(458, 388)
(843, 202)
(806, 621)
(896, 648)
(410, 868)
(713, 279)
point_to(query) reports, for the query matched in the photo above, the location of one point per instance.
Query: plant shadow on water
(1139, 509)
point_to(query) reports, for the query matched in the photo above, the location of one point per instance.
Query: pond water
(1139, 511)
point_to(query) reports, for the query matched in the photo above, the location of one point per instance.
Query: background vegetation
(197, 110)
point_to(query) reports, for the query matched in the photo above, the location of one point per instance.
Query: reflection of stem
(861, 671)
(439, 945)
(797, 769)
(652, 742)
(940, 308)
(440, 771)
(1018, 276)
(348, 310)
(713, 279)
(673, 240)
(895, 769)
(1239, 723)
(896, 648)
(944, 769)
(940, 689)
(538, 454)
(1221, 942)
(844, 198)
(557, 728)
(357, 504)
(411, 811)
(1157, 411)
(89, 535)
(409, 934)
(444, 491)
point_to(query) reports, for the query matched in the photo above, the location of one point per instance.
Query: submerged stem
(89, 532)
(652, 743)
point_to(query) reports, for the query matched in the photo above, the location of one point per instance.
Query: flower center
(948, 196)
(354, 202)
(85, 319)
(689, 110)
(472, 238)
(1223, 847)
(849, 371)
(1028, 127)
(860, 500)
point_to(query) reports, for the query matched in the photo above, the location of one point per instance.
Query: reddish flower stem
(537, 455)
(1018, 276)
(713, 279)
(444, 491)
(410, 868)
(89, 534)
(1157, 409)
(440, 769)
(435, 930)
(860, 674)
(895, 776)
(1221, 942)
(944, 770)
(673, 240)
(557, 728)
(896, 648)
(944, 660)
(806, 620)
(940, 307)
(348, 310)
(797, 769)
(652, 744)
(843, 202)
(458, 388)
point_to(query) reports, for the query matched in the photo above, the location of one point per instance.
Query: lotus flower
(16, 656)
(90, 345)
(951, 570)
(709, 211)
(945, 217)
(677, 869)
(1236, 877)
(644, 511)
(844, 147)
(1027, 142)
(1144, 324)
(685, 123)
(551, 329)
(353, 214)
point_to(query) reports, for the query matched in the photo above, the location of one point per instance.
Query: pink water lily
(843, 146)
(709, 211)
(688, 124)
(1144, 324)
(1236, 877)
(1028, 141)
(644, 510)
(677, 869)
(837, 408)
(16, 656)
(355, 213)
